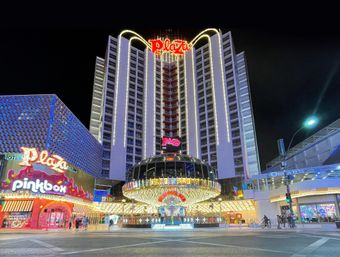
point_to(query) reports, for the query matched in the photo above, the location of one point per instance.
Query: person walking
(279, 218)
(284, 220)
(110, 223)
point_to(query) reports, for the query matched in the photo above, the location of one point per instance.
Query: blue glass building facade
(45, 122)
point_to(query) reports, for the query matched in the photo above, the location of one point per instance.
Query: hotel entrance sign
(177, 46)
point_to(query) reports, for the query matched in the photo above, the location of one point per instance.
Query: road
(197, 243)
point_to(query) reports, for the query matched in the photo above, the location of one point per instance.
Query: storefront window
(323, 212)
(16, 220)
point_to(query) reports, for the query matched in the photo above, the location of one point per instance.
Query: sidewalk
(300, 228)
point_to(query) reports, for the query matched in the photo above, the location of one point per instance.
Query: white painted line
(47, 245)
(236, 246)
(310, 248)
(115, 247)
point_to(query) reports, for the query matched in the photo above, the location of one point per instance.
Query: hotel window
(138, 142)
(107, 127)
(232, 98)
(129, 158)
(236, 142)
(108, 118)
(139, 118)
(226, 38)
(227, 52)
(235, 133)
(226, 45)
(234, 124)
(108, 110)
(106, 154)
(110, 86)
(130, 124)
(110, 78)
(129, 149)
(229, 75)
(106, 145)
(110, 94)
(130, 141)
(107, 136)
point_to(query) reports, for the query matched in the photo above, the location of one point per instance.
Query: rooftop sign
(177, 46)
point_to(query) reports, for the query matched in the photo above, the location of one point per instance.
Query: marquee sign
(55, 162)
(177, 46)
(39, 182)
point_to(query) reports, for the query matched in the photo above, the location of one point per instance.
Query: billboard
(41, 173)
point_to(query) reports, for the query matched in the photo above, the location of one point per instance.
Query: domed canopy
(170, 165)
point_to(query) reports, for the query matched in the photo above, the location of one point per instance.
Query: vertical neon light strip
(116, 90)
(195, 103)
(154, 105)
(223, 86)
(186, 102)
(145, 99)
(162, 97)
(179, 101)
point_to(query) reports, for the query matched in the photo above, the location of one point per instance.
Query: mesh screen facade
(44, 122)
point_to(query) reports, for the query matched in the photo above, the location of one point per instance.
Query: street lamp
(124, 200)
(220, 201)
(309, 123)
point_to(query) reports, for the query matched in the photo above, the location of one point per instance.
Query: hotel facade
(198, 91)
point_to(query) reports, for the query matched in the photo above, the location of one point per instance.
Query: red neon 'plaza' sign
(176, 46)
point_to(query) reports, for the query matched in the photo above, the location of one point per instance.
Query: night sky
(293, 72)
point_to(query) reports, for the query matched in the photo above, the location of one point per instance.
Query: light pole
(124, 200)
(309, 123)
(220, 201)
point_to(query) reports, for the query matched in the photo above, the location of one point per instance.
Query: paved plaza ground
(199, 242)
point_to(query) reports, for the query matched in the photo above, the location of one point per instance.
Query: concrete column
(337, 208)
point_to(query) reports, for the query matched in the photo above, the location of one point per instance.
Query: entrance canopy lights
(188, 190)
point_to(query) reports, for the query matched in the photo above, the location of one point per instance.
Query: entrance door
(55, 216)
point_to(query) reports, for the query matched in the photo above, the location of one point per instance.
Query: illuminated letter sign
(177, 46)
(38, 186)
(55, 162)
(171, 141)
(171, 144)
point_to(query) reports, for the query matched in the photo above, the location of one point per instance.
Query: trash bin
(337, 223)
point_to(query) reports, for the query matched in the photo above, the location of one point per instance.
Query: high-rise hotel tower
(197, 90)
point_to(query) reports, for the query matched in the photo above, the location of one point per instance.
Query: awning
(17, 206)
(82, 209)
